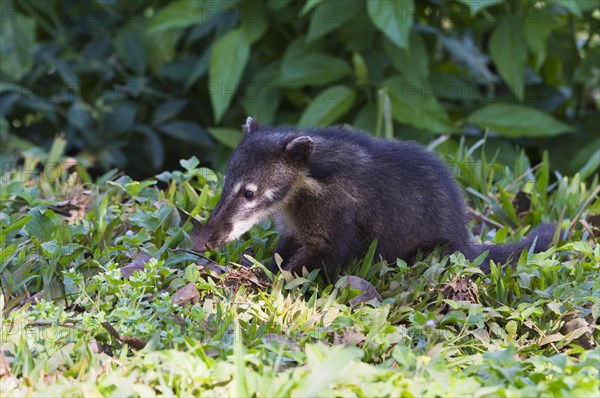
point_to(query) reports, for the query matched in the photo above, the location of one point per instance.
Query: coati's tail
(509, 253)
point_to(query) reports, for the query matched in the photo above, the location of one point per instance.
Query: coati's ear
(300, 147)
(250, 126)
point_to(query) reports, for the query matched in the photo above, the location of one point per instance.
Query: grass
(99, 297)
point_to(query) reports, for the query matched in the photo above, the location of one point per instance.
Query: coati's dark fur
(333, 191)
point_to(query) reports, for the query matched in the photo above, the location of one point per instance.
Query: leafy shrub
(128, 81)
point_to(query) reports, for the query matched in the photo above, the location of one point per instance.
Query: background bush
(140, 84)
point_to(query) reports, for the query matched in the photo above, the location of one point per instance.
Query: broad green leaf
(226, 136)
(278, 4)
(329, 15)
(361, 69)
(411, 62)
(161, 49)
(119, 118)
(254, 19)
(227, 63)
(131, 47)
(41, 225)
(328, 106)
(186, 131)
(537, 29)
(513, 120)
(366, 119)
(168, 110)
(262, 95)
(189, 164)
(79, 116)
(477, 5)
(184, 13)
(303, 66)
(509, 52)
(199, 69)
(309, 5)
(393, 18)
(156, 150)
(413, 104)
(17, 37)
(592, 166)
(571, 5)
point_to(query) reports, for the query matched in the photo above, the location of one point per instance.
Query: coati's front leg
(328, 250)
(286, 247)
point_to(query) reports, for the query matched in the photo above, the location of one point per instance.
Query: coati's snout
(261, 174)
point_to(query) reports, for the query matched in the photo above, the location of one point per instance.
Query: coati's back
(394, 191)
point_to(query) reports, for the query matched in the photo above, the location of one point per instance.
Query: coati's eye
(248, 194)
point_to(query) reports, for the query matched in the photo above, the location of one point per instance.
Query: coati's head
(264, 171)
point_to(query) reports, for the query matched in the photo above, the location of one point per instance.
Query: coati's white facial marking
(270, 194)
(251, 187)
(242, 226)
(236, 189)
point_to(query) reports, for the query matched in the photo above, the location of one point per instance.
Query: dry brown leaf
(186, 295)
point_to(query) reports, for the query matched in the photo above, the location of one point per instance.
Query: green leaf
(185, 13)
(154, 145)
(226, 136)
(309, 5)
(120, 118)
(512, 120)
(329, 15)
(592, 166)
(168, 110)
(41, 225)
(361, 69)
(411, 62)
(17, 37)
(131, 47)
(227, 63)
(328, 106)
(301, 66)
(413, 104)
(509, 52)
(199, 69)
(326, 371)
(79, 116)
(162, 49)
(537, 29)
(254, 19)
(541, 185)
(189, 164)
(571, 5)
(393, 18)
(191, 273)
(186, 131)
(16, 225)
(477, 5)
(262, 96)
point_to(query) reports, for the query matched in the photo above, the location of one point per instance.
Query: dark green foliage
(133, 84)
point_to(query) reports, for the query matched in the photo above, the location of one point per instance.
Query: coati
(332, 191)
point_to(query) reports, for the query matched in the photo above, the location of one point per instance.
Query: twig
(588, 227)
(191, 252)
(62, 325)
(537, 329)
(480, 216)
(526, 173)
(585, 204)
